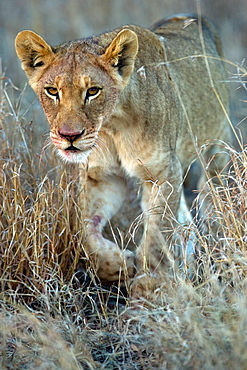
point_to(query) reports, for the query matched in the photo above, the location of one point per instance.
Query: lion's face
(77, 98)
(78, 85)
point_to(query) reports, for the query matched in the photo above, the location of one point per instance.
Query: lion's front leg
(160, 214)
(160, 205)
(103, 199)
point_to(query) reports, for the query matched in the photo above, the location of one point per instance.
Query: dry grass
(49, 320)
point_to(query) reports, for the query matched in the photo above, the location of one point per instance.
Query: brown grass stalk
(50, 321)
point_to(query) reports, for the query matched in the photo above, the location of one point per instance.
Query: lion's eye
(92, 93)
(52, 92)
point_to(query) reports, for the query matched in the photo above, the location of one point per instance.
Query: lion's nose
(71, 135)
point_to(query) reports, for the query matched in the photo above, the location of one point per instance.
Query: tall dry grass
(51, 320)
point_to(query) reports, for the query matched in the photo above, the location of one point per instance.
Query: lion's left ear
(121, 53)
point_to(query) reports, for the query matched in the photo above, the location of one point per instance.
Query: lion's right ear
(32, 50)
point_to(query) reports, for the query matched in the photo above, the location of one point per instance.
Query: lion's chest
(138, 157)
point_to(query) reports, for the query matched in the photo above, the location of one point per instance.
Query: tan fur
(131, 102)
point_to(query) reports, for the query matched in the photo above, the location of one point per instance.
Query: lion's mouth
(72, 148)
(74, 155)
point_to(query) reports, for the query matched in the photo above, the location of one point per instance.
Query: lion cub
(132, 102)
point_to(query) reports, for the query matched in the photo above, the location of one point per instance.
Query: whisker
(102, 142)
(98, 150)
(102, 148)
(47, 143)
(46, 133)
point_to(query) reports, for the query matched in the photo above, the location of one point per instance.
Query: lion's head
(78, 84)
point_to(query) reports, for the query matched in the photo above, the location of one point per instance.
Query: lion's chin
(74, 156)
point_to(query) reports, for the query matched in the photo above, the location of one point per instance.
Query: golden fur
(132, 102)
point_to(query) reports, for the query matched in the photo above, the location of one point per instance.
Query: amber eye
(92, 92)
(52, 92)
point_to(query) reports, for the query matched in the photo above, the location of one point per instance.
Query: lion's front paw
(144, 285)
(116, 265)
(150, 285)
(109, 261)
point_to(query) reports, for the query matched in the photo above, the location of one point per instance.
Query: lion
(133, 102)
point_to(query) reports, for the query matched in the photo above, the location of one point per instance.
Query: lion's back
(193, 58)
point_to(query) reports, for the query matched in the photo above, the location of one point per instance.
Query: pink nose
(70, 135)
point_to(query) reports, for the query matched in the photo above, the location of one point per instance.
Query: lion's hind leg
(215, 165)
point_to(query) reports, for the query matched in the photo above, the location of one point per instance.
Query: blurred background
(61, 20)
